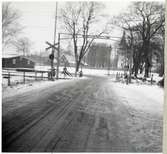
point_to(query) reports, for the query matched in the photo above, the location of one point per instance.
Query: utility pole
(53, 50)
(55, 24)
(58, 57)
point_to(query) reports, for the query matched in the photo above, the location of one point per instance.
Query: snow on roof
(9, 56)
(15, 56)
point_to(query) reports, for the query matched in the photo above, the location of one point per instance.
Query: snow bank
(36, 85)
(144, 104)
(146, 98)
(86, 71)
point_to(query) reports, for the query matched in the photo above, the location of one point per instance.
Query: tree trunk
(146, 72)
(161, 72)
(77, 68)
(147, 67)
(147, 60)
(136, 68)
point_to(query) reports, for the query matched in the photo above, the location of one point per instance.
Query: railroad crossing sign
(51, 57)
(53, 46)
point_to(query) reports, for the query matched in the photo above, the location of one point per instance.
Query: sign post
(58, 59)
(51, 57)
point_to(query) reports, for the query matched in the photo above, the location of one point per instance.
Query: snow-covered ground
(22, 88)
(100, 72)
(145, 105)
(86, 71)
(15, 80)
(126, 117)
(145, 98)
(156, 77)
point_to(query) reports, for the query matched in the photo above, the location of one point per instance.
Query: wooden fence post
(8, 78)
(48, 76)
(35, 75)
(24, 77)
(42, 75)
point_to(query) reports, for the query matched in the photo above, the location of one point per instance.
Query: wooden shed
(17, 62)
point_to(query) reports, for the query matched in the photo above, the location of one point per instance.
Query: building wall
(17, 62)
(98, 56)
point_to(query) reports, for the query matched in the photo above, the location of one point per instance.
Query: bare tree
(153, 18)
(78, 19)
(23, 45)
(157, 45)
(145, 19)
(10, 26)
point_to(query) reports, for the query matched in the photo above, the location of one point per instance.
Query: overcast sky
(38, 19)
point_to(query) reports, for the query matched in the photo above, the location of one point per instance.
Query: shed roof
(16, 56)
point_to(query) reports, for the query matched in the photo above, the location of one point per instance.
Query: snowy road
(80, 116)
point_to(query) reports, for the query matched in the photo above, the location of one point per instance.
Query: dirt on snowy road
(79, 116)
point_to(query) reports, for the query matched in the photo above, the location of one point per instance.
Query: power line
(55, 24)
(96, 36)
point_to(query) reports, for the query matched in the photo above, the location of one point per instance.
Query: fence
(22, 75)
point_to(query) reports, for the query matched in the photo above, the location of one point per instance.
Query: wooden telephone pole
(58, 57)
(53, 47)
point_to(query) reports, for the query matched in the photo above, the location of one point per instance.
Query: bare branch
(10, 26)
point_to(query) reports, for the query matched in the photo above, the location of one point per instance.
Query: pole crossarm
(90, 37)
